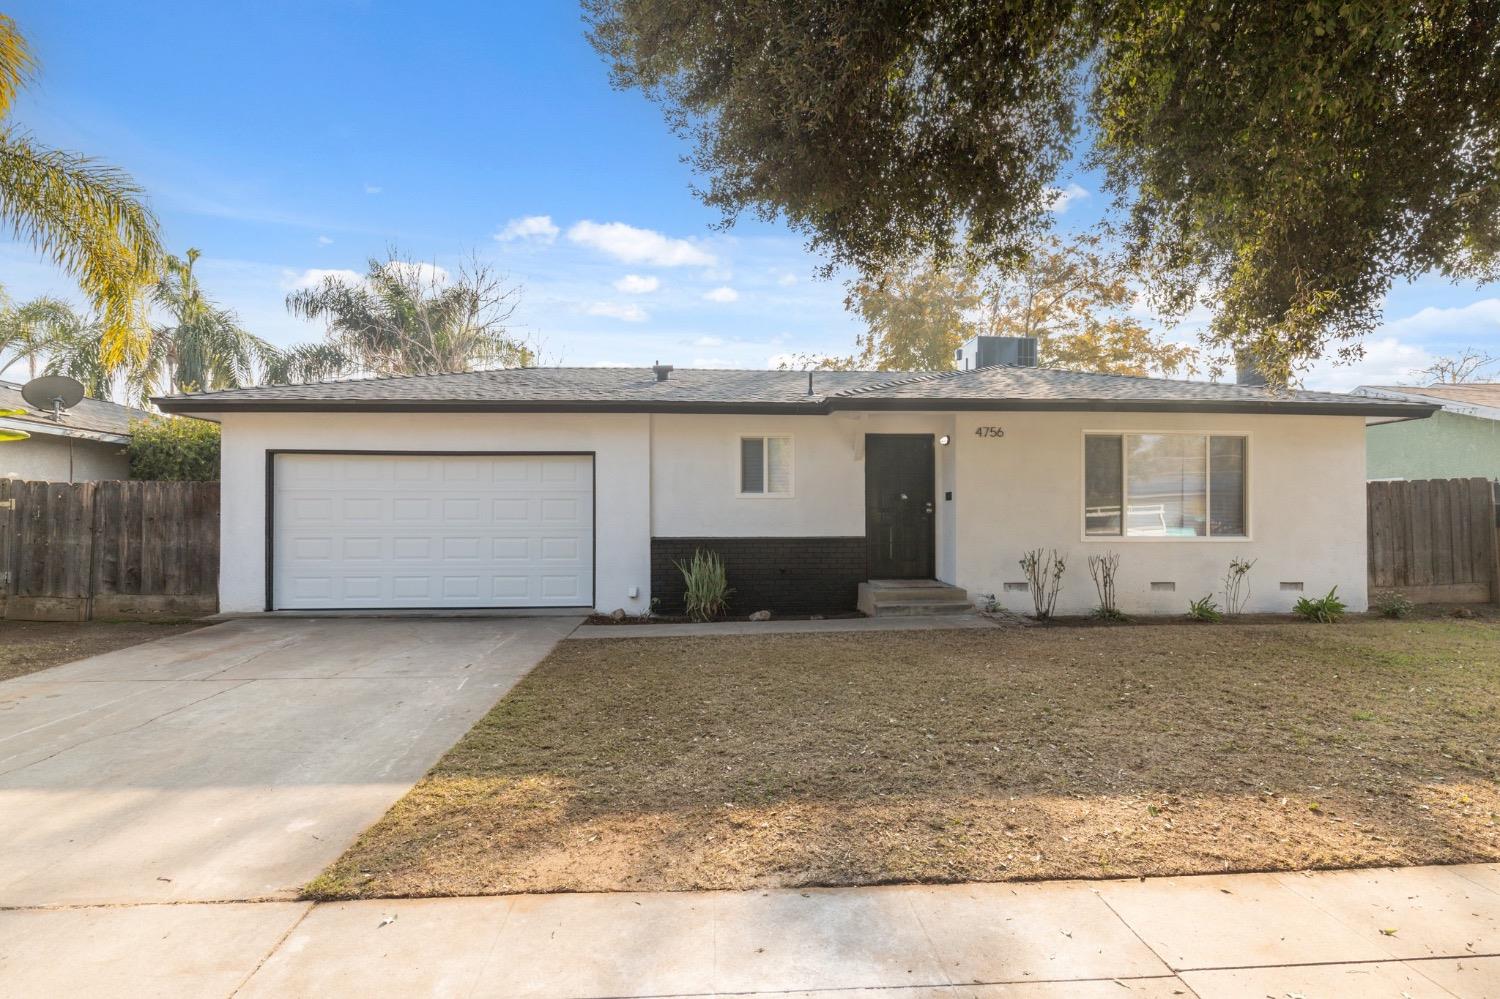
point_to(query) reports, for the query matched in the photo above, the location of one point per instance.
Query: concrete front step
(911, 597)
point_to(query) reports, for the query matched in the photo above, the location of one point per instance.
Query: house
(87, 442)
(580, 487)
(1461, 440)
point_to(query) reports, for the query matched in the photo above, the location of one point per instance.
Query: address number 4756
(989, 431)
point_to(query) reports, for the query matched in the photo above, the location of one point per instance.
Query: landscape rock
(761, 616)
(618, 614)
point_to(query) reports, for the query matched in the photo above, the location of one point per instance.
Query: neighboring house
(1461, 441)
(89, 442)
(580, 487)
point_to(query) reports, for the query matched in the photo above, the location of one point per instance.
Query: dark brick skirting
(787, 575)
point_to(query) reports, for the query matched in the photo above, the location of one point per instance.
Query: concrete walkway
(939, 622)
(1417, 932)
(234, 762)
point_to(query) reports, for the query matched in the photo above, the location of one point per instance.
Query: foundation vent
(1291, 587)
(1017, 587)
(1164, 586)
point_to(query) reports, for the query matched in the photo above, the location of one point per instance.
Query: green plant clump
(1206, 609)
(707, 594)
(174, 449)
(1324, 610)
(1393, 604)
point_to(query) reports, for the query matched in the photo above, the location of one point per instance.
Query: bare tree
(1466, 367)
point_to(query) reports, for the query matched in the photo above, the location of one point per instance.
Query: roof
(1481, 399)
(697, 390)
(95, 419)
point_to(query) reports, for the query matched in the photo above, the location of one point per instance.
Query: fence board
(137, 548)
(1436, 540)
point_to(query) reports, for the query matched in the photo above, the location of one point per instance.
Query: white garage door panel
(376, 531)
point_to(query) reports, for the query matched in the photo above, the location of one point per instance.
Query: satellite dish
(53, 393)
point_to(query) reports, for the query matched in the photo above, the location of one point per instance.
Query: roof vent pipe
(662, 370)
(809, 382)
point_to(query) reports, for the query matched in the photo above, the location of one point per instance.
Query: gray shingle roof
(710, 390)
(91, 416)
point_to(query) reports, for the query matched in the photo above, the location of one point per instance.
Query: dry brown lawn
(28, 646)
(738, 762)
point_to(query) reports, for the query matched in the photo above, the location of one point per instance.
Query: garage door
(365, 531)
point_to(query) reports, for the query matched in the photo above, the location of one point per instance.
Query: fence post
(7, 546)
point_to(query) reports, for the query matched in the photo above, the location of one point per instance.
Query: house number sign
(989, 431)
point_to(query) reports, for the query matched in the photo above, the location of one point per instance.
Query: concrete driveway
(237, 761)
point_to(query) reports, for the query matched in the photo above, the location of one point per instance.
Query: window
(765, 466)
(1164, 486)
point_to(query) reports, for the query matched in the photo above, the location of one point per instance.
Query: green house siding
(1443, 446)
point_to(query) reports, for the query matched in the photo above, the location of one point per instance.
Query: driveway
(237, 761)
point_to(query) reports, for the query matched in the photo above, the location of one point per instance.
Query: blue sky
(289, 139)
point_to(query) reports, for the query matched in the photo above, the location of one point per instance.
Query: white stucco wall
(695, 476)
(1306, 484)
(61, 459)
(676, 476)
(621, 470)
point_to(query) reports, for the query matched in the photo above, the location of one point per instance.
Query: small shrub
(1044, 572)
(174, 449)
(1103, 569)
(1324, 610)
(1393, 604)
(1237, 586)
(1206, 609)
(707, 595)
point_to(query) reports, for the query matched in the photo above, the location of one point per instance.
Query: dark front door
(899, 495)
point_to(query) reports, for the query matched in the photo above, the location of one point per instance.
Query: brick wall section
(785, 575)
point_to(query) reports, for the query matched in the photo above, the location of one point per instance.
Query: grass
(29, 646)
(795, 760)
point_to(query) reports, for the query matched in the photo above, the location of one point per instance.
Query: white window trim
(1110, 539)
(765, 465)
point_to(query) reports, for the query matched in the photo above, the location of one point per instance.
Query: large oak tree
(1282, 162)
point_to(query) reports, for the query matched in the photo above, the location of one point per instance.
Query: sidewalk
(1432, 931)
(940, 622)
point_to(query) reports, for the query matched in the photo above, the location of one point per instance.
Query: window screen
(1103, 485)
(1226, 472)
(752, 465)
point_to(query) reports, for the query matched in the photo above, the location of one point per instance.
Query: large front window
(1164, 486)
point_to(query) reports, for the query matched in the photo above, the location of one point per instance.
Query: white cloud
(373, 189)
(314, 276)
(639, 246)
(1061, 197)
(325, 241)
(635, 284)
(787, 280)
(709, 341)
(1475, 321)
(626, 311)
(724, 294)
(711, 362)
(537, 227)
(1387, 361)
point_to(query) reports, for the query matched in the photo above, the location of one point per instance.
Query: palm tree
(408, 318)
(28, 330)
(85, 216)
(201, 346)
(74, 348)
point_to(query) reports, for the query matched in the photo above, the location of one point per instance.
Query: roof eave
(188, 406)
(811, 407)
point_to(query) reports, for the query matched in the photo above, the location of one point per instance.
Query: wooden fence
(72, 551)
(1435, 540)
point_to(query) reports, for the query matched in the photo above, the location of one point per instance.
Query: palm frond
(89, 219)
(16, 63)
